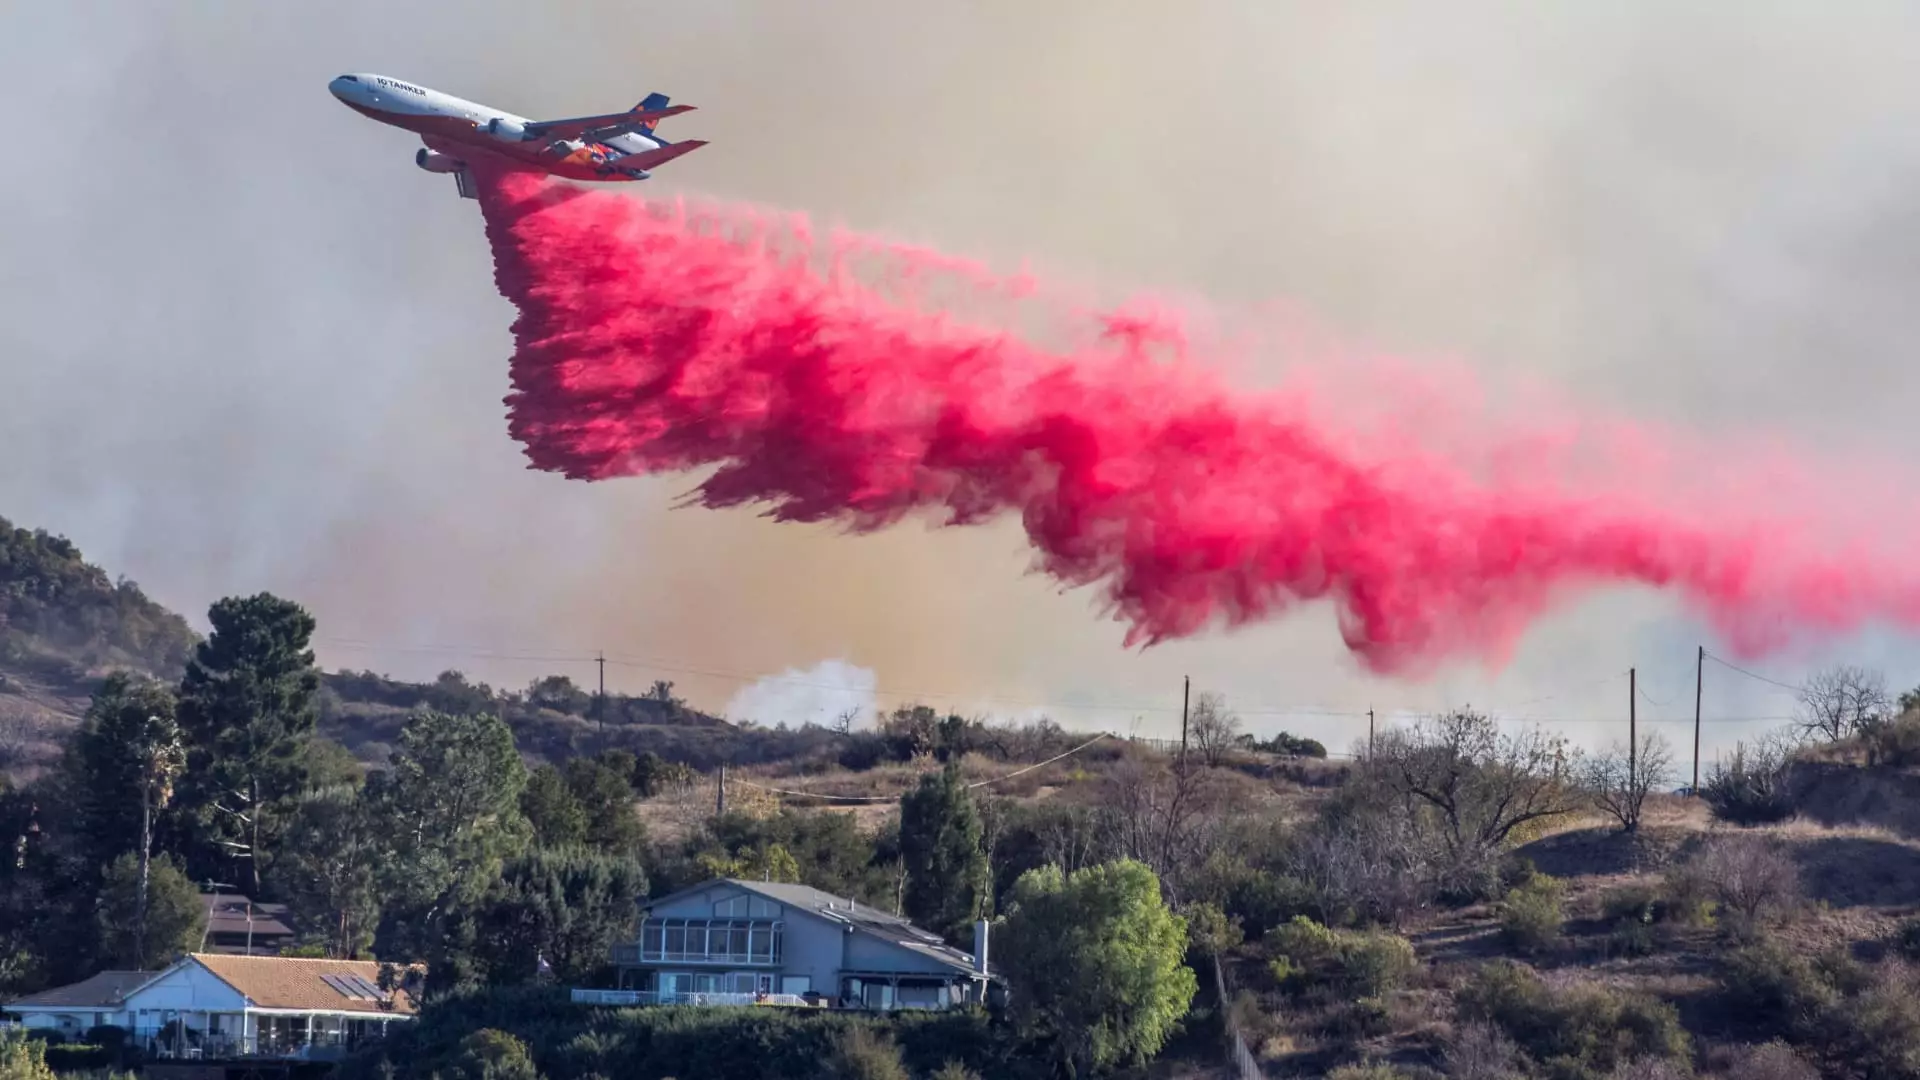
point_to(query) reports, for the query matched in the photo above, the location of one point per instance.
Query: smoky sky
(247, 345)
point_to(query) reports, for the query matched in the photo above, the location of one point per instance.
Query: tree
(176, 917)
(451, 804)
(946, 866)
(551, 810)
(1212, 728)
(248, 704)
(1093, 960)
(23, 1057)
(492, 1054)
(1475, 786)
(1619, 782)
(329, 870)
(1843, 701)
(605, 798)
(566, 908)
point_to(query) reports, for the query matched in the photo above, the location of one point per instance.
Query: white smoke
(819, 695)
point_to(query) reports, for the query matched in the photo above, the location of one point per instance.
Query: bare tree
(1481, 1051)
(1169, 817)
(1843, 701)
(1619, 782)
(1477, 785)
(1212, 728)
(843, 721)
(1749, 875)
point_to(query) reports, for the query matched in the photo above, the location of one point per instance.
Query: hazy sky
(247, 345)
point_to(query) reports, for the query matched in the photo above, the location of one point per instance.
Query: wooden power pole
(720, 793)
(1633, 732)
(600, 706)
(1699, 676)
(1369, 732)
(1186, 691)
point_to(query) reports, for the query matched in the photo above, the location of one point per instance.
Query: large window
(710, 941)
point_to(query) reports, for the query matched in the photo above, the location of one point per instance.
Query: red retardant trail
(651, 339)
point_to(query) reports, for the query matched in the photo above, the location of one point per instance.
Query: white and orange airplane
(616, 146)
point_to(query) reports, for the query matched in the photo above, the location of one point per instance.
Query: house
(235, 924)
(220, 1005)
(74, 1010)
(736, 942)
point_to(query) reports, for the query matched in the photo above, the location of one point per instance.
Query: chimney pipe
(980, 947)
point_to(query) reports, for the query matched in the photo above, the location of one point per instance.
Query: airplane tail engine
(436, 162)
(506, 130)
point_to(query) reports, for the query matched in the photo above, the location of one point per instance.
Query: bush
(1370, 1071)
(1896, 742)
(1771, 1061)
(1750, 788)
(953, 1070)
(67, 1057)
(1352, 963)
(1579, 1030)
(1481, 1051)
(1750, 877)
(1906, 940)
(1531, 915)
(860, 1054)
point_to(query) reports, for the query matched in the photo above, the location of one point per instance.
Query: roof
(227, 914)
(287, 982)
(102, 991)
(868, 920)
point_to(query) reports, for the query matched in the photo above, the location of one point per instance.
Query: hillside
(65, 623)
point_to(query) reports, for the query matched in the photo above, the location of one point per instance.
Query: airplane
(614, 146)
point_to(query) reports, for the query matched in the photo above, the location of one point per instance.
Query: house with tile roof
(730, 941)
(221, 1006)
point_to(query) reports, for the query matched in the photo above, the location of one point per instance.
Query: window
(765, 909)
(796, 984)
(713, 941)
(730, 907)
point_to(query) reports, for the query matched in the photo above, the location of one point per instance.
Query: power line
(1135, 708)
(1752, 675)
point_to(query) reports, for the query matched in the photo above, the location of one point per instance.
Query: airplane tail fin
(651, 103)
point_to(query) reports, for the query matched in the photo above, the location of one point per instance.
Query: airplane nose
(343, 86)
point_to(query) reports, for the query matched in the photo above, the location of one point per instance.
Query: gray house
(742, 942)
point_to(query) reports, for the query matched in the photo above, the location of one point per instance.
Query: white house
(217, 1005)
(730, 941)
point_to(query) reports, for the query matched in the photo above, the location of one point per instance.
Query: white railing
(652, 997)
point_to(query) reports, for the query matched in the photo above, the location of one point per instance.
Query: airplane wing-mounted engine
(436, 162)
(507, 131)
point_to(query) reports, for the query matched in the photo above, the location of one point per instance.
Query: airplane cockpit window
(349, 78)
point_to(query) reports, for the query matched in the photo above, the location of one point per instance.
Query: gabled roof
(227, 914)
(102, 991)
(288, 982)
(864, 919)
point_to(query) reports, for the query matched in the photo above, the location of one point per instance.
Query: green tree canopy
(1094, 962)
(568, 907)
(551, 810)
(940, 841)
(129, 732)
(605, 798)
(176, 916)
(328, 872)
(248, 704)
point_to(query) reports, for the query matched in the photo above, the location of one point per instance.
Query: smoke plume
(821, 695)
(830, 380)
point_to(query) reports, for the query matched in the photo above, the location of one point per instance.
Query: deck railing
(623, 998)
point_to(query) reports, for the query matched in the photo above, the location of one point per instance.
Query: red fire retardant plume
(651, 339)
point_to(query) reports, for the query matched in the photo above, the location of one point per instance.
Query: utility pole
(1369, 732)
(1633, 732)
(1186, 691)
(720, 793)
(1699, 676)
(600, 706)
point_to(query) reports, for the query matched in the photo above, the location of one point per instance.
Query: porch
(213, 1035)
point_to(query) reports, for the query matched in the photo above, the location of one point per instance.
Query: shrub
(1895, 743)
(1688, 897)
(1353, 963)
(1369, 1071)
(1906, 940)
(1771, 1061)
(1579, 1030)
(68, 1057)
(1481, 1051)
(1749, 876)
(953, 1070)
(859, 1054)
(1750, 787)
(1531, 915)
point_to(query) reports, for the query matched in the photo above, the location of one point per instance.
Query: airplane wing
(573, 128)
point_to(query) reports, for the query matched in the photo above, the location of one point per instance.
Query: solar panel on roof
(371, 990)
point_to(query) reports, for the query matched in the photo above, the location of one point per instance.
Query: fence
(650, 997)
(1244, 1064)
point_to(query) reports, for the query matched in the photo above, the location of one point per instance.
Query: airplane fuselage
(455, 126)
